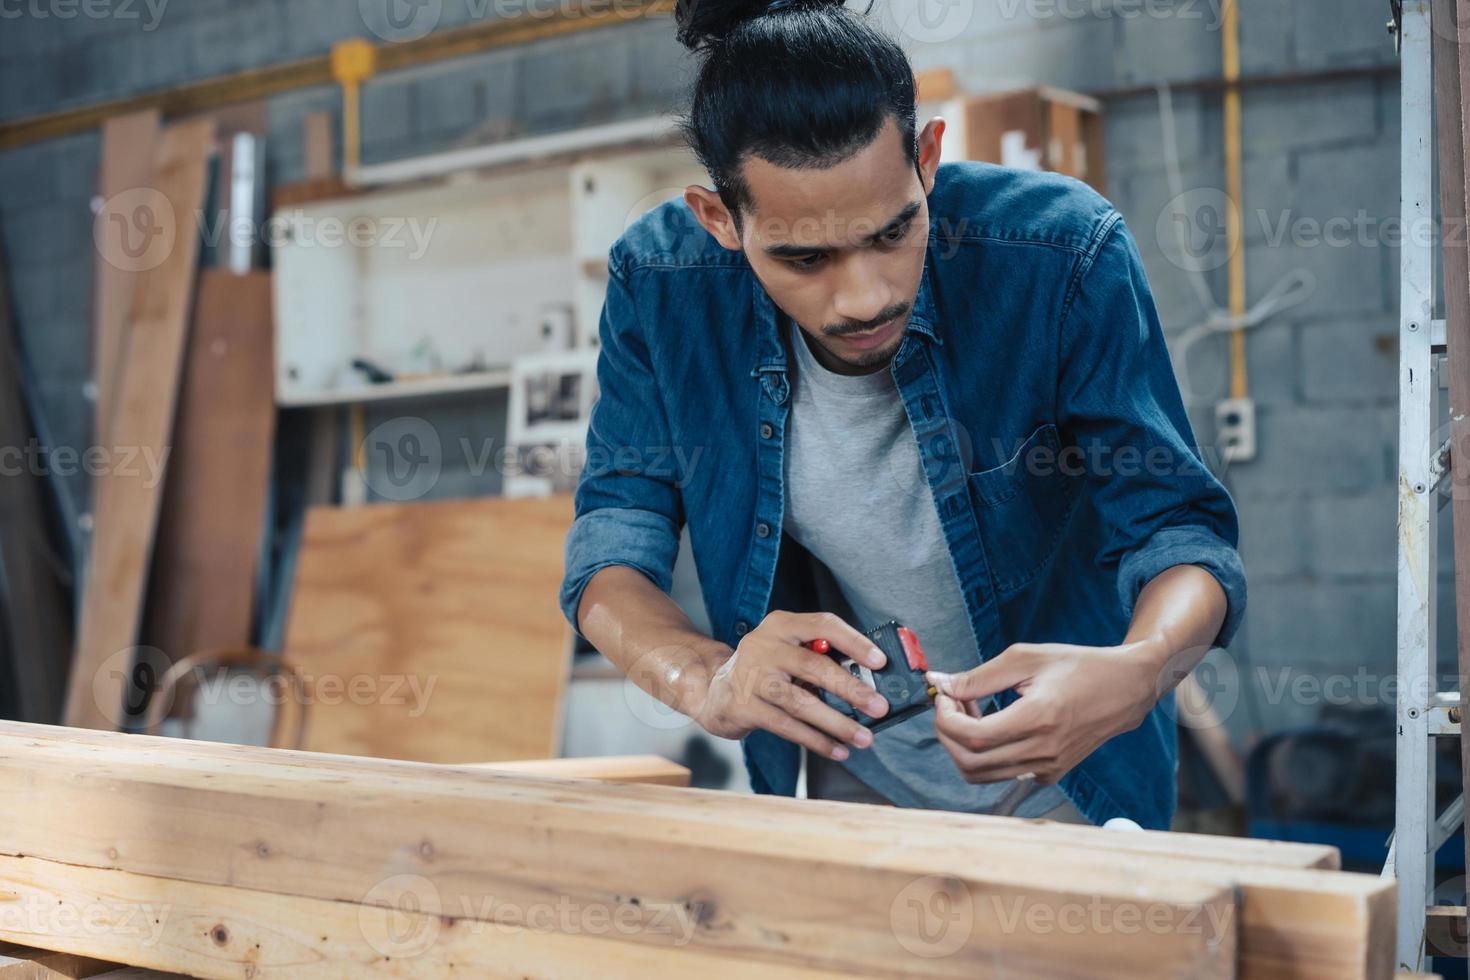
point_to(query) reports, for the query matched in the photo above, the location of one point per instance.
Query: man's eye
(896, 235)
(806, 263)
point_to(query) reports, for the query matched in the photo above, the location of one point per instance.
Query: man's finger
(826, 719)
(1027, 754)
(1012, 723)
(824, 673)
(975, 771)
(776, 721)
(799, 628)
(997, 674)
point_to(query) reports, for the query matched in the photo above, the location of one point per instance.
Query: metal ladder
(1423, 713)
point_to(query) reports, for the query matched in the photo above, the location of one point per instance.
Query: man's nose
(862, 291)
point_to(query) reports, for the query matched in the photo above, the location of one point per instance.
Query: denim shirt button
(741, 628)
(763, 530)
(767, 430)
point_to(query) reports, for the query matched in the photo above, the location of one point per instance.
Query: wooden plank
(430, 631)
(37, 615)
(127, 499)
(608, 768)
(1451, 98)
(223, 932)
(316, 139)
(128, 148)
(1445, 931)
(209, 535)
(19, 962)
(792, 885)
(1230, 851)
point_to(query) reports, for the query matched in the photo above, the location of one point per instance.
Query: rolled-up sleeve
(1118, 401)
(628, 508)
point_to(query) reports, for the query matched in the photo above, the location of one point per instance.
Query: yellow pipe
(353, 62)
(1230, 52)
(351, 126)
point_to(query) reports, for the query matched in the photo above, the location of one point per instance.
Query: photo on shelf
(551, 396)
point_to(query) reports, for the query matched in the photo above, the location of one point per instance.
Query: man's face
(841, 250)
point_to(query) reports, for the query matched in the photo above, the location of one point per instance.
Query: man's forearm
(647, 636)
(1175, 621)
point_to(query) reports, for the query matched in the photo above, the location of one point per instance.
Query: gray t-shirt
(857, 499)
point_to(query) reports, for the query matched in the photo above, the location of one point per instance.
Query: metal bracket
(1444, 713)
(1439, 466)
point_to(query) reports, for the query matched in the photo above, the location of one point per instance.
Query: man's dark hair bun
(802, 84)
(704, 23)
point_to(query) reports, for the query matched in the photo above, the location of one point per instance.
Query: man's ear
(930, 139)
(711, 212)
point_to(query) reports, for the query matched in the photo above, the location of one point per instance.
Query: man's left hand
(1072, 699)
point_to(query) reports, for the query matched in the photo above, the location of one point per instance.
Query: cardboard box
(1039, 128)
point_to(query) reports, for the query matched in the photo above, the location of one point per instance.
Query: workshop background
(1319, 132)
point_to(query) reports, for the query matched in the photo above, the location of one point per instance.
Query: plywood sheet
(431, 631)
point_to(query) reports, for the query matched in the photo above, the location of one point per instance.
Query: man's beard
(872, 358)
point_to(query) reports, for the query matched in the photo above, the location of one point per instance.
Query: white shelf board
(357, 394)
(632, 132)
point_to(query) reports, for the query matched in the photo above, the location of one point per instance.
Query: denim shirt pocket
(1023, 506)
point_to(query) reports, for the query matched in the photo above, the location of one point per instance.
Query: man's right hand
(760, 685)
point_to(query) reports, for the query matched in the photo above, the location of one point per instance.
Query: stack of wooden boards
(227, 861)
(185, 414)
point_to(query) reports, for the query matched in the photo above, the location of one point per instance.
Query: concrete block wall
(1317, 505)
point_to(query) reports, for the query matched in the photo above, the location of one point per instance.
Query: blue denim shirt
(1043, 400)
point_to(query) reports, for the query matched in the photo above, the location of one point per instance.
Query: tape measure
(900, 681)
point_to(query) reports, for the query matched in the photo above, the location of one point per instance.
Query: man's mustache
(843, 329)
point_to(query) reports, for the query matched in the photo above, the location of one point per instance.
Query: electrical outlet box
(1235, 429)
